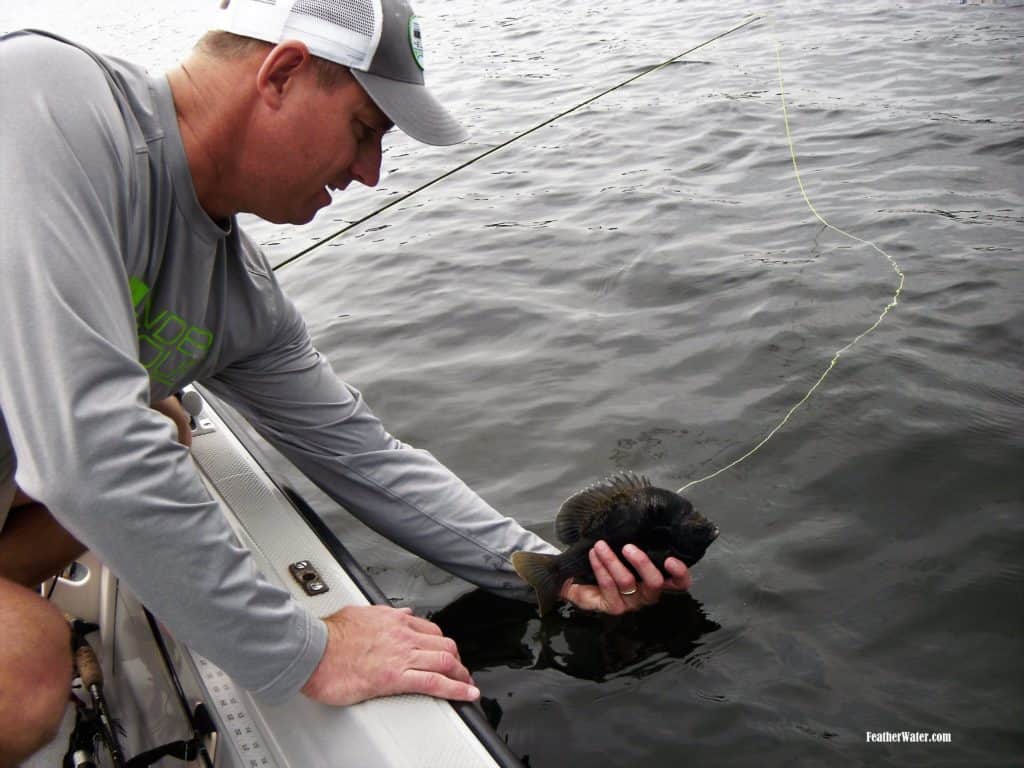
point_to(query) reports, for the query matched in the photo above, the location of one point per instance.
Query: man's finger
(610, 592)
(679, 574)
(625, 581)
(425, 642)
(653, 581)
(424, 625)
(434, 684)
(442, 662)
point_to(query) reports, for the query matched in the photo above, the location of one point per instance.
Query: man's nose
(366, 166)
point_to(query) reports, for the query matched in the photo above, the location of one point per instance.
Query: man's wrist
(313, 686)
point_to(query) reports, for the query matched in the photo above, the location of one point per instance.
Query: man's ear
(282, 65)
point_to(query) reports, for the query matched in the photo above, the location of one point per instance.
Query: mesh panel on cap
(355, 15)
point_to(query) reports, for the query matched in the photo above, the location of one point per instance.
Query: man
(123, 276)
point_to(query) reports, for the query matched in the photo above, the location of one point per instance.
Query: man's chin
(305, 219)
(302, 213)
(293, 217)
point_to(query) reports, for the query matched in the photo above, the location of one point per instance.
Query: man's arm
(76, 400)
(289, 392)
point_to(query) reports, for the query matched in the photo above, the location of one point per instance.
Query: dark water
(641, 286)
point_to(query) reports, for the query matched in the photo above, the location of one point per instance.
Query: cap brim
(413, 109)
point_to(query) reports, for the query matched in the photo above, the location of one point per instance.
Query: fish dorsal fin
(583, 508)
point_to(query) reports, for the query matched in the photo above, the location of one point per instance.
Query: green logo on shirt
(169, 346)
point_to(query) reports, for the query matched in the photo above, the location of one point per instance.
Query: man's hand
(173, 410)
(377, 650)
(617, 590)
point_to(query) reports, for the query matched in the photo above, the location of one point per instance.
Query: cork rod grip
(88, 666)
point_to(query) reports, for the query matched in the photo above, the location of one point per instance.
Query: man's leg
(34, 546)
(35, 672)
(35, 641)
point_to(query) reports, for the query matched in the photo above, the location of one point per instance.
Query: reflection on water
(493, 631)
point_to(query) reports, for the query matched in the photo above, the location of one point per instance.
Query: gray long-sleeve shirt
(117, 289)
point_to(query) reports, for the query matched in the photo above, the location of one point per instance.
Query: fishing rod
(750, 20)
(799, 179)
(84, 735)
(98, 723)
(94, 724)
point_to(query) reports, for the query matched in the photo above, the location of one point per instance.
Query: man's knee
(35, 672)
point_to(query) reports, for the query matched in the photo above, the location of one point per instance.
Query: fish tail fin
(541, 573)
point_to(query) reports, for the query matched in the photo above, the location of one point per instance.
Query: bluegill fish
(625, 509)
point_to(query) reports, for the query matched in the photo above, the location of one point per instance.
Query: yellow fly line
(799, 180)
(842, 350)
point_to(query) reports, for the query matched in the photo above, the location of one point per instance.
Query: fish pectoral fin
(541, 573)
(580, 511)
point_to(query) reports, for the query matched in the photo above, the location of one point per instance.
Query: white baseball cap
(378, 40)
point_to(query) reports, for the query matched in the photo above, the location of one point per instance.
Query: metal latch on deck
(308, 578)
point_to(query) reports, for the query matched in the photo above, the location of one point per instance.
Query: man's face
(332, 138)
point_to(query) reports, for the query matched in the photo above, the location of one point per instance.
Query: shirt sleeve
(293, 398)
(75, 398)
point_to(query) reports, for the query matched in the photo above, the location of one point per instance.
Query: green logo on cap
(416, 40)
